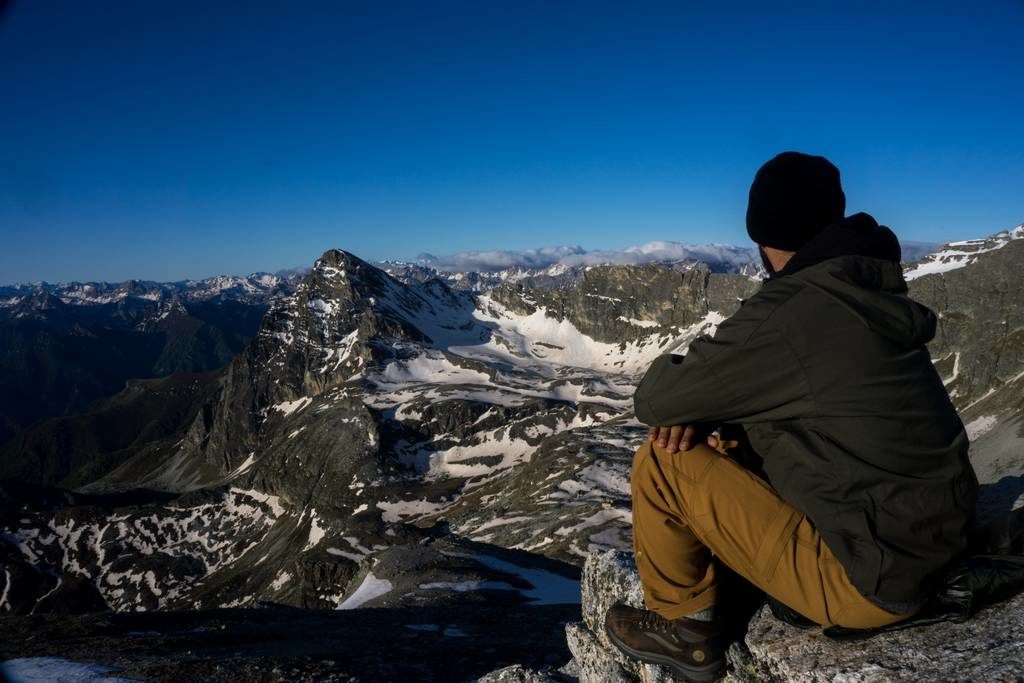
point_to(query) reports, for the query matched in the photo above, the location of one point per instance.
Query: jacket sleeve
(747, 372)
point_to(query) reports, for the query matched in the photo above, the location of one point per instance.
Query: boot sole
(704, 674)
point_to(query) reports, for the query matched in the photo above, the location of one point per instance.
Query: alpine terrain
(446, 447)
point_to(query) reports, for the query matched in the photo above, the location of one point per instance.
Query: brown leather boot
(695, 650)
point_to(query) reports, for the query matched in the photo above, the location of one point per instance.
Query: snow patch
(286, 408)
(395, 511)
(40, 669)
(639, 323)
(282, 579)
(316, 532)
(980, 426)
(370, 589)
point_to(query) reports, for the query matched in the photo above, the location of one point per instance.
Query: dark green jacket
(826, 369)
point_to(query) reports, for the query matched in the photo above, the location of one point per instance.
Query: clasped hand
(680, 438)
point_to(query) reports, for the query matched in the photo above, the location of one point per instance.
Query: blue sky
(185, 139)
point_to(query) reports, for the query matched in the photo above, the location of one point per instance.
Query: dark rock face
(396, 443)
(68, 345)
(623, 303)
(979, 350)
(981, 325)
(140, 422)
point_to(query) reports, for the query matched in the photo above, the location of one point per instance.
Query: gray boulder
(516, 673)
(989, 647)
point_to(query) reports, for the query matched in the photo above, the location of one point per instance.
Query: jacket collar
(856, 235)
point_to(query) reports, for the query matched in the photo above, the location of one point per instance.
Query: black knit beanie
(792, 198)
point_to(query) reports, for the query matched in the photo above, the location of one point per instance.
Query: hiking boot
(693, 649)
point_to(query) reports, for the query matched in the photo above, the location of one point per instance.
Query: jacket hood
(856, 235)
(856, 261)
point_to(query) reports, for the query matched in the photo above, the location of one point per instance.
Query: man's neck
(778, 258)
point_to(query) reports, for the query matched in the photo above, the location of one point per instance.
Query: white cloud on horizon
(725, 255)
(575, 255)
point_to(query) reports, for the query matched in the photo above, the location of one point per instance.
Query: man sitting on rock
(865, 492)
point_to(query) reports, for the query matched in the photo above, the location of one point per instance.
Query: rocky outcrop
(979, 340)
(974, 288)
(518, 673)
(623, 303)
(610, 577)
(989, 647)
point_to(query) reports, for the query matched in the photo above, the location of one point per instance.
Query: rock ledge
(989, 647)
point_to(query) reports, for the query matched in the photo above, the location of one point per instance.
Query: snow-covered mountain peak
(954, 255)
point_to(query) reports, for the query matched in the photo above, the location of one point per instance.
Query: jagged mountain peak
(37, 306)
(341, 288)
(342, 274)
(345, 317)
(41, 301)
(339, 258)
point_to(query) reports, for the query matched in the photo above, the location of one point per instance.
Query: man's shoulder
(767, 306)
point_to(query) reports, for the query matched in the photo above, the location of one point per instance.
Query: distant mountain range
(257, 288)
(405, 437)
(719, 258)
(86, 339)
(67, 345)
(462, 270)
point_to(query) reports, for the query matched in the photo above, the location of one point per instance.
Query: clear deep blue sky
(171, 140)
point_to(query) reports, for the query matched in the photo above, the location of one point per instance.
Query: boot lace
(652, 621)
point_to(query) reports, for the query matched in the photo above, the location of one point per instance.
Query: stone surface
(517, 674)
(989, 647)
(610, 577)
(594, 660)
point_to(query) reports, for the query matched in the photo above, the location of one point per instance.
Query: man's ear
(764, 260)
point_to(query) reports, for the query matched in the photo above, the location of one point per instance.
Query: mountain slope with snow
(954, 255)
(397, 441)
(365, 404)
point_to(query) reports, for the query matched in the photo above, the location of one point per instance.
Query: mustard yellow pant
(690, 506)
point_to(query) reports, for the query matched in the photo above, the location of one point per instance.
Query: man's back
(826, 368)
(870, 491)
